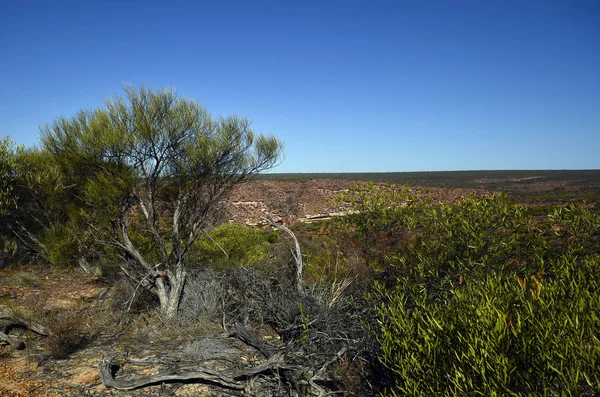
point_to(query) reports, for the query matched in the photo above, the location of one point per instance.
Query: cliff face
(303, 200)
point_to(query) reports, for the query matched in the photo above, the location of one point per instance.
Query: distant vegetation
(453, 179)
(538, 187)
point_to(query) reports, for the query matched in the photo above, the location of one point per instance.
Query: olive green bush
(7, 180)
(497, 334)
(36, 201)
(476, 298)
(231, 244)
(378, 219)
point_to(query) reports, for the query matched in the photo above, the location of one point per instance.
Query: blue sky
(349, 86)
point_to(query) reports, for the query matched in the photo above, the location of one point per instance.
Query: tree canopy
(154, 167)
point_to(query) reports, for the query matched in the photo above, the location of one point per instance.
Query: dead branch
(242, 333)
(318, 376)
(218, 245)
(229, 379)
(297, 254)
(14, 341)
(17, 321)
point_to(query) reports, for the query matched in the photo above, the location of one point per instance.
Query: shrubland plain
(147, 251)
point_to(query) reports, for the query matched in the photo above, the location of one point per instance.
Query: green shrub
(232, 244)
(475, 298)
(497, 334)
(8, 164)
(379, 218)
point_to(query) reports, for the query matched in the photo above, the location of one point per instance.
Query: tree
(154, 167)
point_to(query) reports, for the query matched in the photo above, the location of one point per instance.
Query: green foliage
(232, 244)
(378, 214)
(475, 298)
(8, 200)
(40, 201)
(331, 256)
(7, 178)
(157, 155)
(496, 334)
(61, 243)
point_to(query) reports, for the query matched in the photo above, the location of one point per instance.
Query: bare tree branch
(297, 253)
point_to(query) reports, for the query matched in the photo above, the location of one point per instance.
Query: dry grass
(67, 334)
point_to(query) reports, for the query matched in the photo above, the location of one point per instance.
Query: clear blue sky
(349, 86)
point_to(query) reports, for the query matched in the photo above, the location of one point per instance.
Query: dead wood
(301, 378)
(245, 335)
(14, 341)
(229, 379)
(13, 321)
(297, 254)
(236, 379)
(17, 321)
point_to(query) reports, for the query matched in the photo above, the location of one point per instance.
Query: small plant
(25, 279)
(351, 373)
(67, 334)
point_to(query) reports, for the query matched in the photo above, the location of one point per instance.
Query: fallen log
(109, 366)
(17, 321)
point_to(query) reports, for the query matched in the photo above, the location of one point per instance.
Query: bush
(67, 334)
(379, 218)
(331, 256)
(475, 298)
(132, 298)
(316, 324)
(204, 297)
(497, 334)
(232, 244)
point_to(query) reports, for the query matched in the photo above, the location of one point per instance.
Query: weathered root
(11, 340)
(229, 379)
(13, 321)
(16, 321)
(274, 367)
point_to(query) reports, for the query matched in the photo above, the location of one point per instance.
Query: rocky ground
(37, 292)
(30, 372)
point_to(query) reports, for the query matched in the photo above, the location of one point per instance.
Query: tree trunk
(169, 288)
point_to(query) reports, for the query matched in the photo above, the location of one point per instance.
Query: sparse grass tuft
(67, 334)
(25, 279)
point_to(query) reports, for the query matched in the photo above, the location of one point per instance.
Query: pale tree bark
(170, 290)
(167, 285)
(297, 254)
